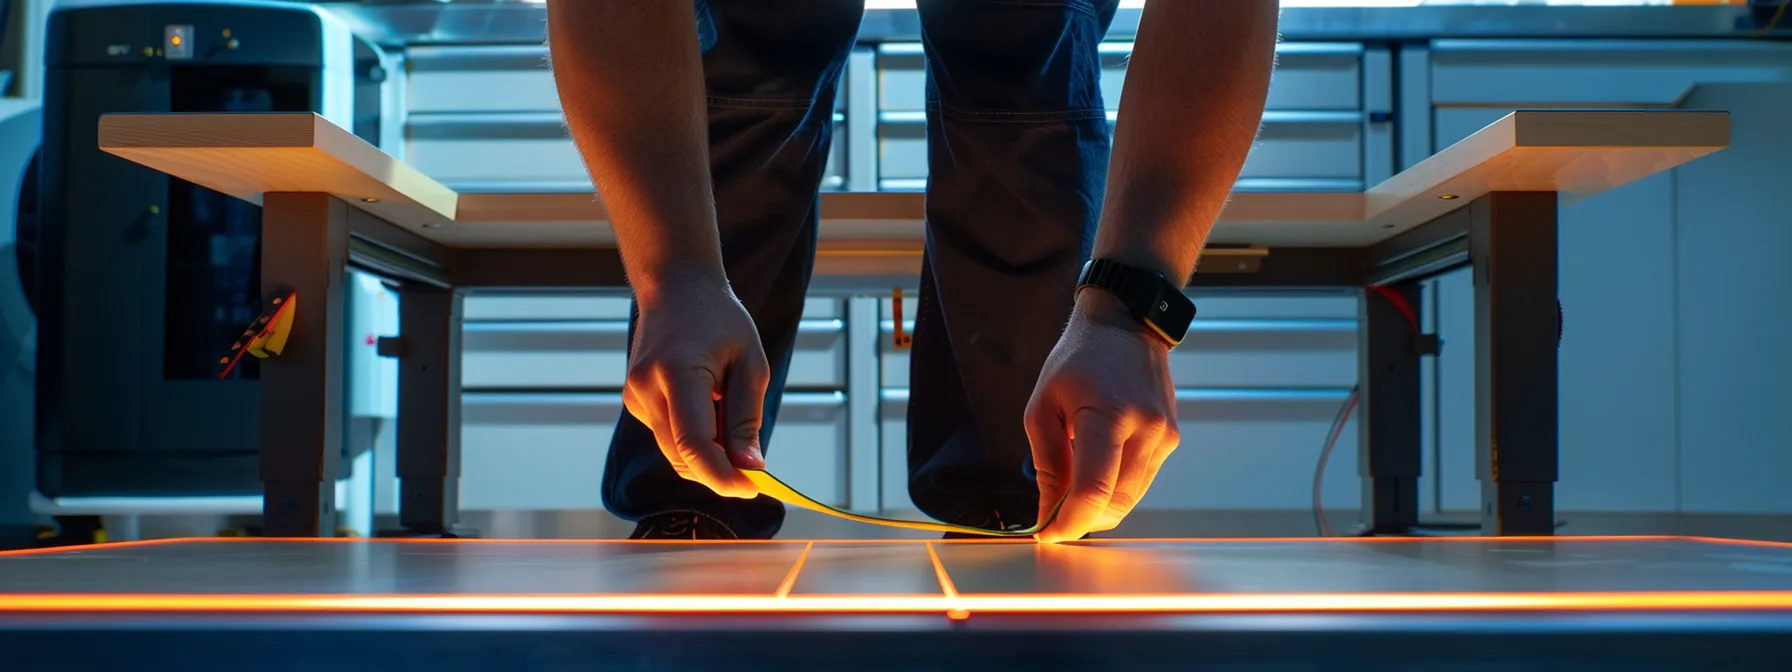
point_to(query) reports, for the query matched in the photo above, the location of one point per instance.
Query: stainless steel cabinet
(544, 375)
(546, 451)
(1313, 137)
(1259, 381)
(489, 118)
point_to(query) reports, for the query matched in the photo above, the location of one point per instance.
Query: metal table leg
(429, 409)
(304, 246)
(1388, 446)
(1512, 246)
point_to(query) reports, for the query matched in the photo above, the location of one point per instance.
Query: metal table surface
(1622, 602)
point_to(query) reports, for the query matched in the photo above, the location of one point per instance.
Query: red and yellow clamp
(266, 336)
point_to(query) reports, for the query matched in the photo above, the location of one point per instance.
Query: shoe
(986, 520)
(682, 525)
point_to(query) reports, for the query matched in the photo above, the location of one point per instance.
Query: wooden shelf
(247, 155)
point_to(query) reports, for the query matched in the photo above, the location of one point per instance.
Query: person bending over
(706, 126)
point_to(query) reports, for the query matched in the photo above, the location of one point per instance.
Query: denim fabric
(1017, 160)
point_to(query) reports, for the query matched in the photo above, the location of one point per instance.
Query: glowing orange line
(762, 542)
(939, 570)
(1393, 602)
(790, 580)
(732, 542)
(1743, 542)
(90, 547)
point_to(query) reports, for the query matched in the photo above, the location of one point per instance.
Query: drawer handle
(900, 340)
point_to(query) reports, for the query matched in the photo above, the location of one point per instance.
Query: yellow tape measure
(770, 486)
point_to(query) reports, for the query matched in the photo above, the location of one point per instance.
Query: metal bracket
(394, 347)
(1428, 345)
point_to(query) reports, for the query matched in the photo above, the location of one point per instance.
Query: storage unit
(488, 118)
(1261, 378)
(1259, 381)
(1313, 136)
(543, 377)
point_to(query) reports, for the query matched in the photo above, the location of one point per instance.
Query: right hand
(695, 345)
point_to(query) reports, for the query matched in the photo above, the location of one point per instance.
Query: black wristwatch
(1152, 300)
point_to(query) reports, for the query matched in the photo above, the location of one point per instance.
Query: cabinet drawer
(1604, 73)
(552, 307)
(1291, 146)
(570, 306)
(489, 79)
(1338, 305)
(594, 355)
(547, 451)
(1308, 76)
(480, 79)
(518, 151)
(1240, 449)
(1231, 353)
(1235, 342)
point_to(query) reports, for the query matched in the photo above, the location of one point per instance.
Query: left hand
(1102, 419)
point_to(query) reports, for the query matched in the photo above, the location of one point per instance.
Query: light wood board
(1572, 151)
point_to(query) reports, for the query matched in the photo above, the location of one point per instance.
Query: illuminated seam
(774, 542)
(939, 570)
(1197, 603)
(790, 579)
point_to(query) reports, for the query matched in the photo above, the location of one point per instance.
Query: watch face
(1171, 315)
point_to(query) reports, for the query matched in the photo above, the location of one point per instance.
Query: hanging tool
(266, 336)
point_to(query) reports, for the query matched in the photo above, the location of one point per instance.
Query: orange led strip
(790, 579)
(749, 542)
(882, 604)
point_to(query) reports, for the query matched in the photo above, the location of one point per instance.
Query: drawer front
(489, 118)
(1567, 73)
(487, 79)
(1308, 76)
(570, 306)
(1236, 342)
(1240, 449)
(517, 151)
(1319, 146)
(594, 355)
(546, 451)
(480, 79)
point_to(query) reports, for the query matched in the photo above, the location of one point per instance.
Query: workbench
(331, 202)
(1631, 603)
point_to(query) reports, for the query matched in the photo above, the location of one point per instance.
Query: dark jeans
(1017, 163)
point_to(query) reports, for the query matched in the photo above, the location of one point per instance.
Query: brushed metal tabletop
(895, 575)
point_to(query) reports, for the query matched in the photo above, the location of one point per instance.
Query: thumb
(743, 405)
(1050, 438)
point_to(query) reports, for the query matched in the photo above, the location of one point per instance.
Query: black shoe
(681, 525)
(985, 520)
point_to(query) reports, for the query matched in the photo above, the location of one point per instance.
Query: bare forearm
(1194, 96)
(631, 82)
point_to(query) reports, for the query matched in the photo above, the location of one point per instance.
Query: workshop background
(1675, 375)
